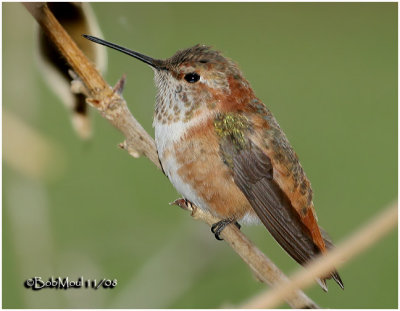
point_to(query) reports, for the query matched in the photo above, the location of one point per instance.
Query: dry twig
(112, 106)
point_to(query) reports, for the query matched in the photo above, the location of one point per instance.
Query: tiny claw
(218, 237)
(119, 87)
(220, 225)
(214, 229)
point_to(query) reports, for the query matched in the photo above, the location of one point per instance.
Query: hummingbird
(223, 150)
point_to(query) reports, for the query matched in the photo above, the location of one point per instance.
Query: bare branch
(359, 241)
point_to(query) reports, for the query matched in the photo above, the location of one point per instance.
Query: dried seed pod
(77, 18)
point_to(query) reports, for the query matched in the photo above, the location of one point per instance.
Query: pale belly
(166, 136)
(197, 172)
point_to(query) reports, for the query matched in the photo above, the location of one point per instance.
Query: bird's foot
(220, 225)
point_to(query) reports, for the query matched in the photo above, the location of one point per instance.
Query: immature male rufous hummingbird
(223, 150)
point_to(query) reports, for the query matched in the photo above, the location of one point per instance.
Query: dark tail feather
(322, 283)
(333, 275)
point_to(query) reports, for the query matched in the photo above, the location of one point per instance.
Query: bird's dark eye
(192, 77)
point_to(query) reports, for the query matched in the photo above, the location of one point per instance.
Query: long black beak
(155, 63)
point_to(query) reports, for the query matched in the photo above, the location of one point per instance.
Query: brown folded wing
(253, 174)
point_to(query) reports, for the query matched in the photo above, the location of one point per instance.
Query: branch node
(133, 152)
(181, 202)
(95, 103)
(186, 205)
(119, 87)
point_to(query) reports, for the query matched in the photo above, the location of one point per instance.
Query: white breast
(166, 136)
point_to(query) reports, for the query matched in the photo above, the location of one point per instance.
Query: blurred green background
(327, 71)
